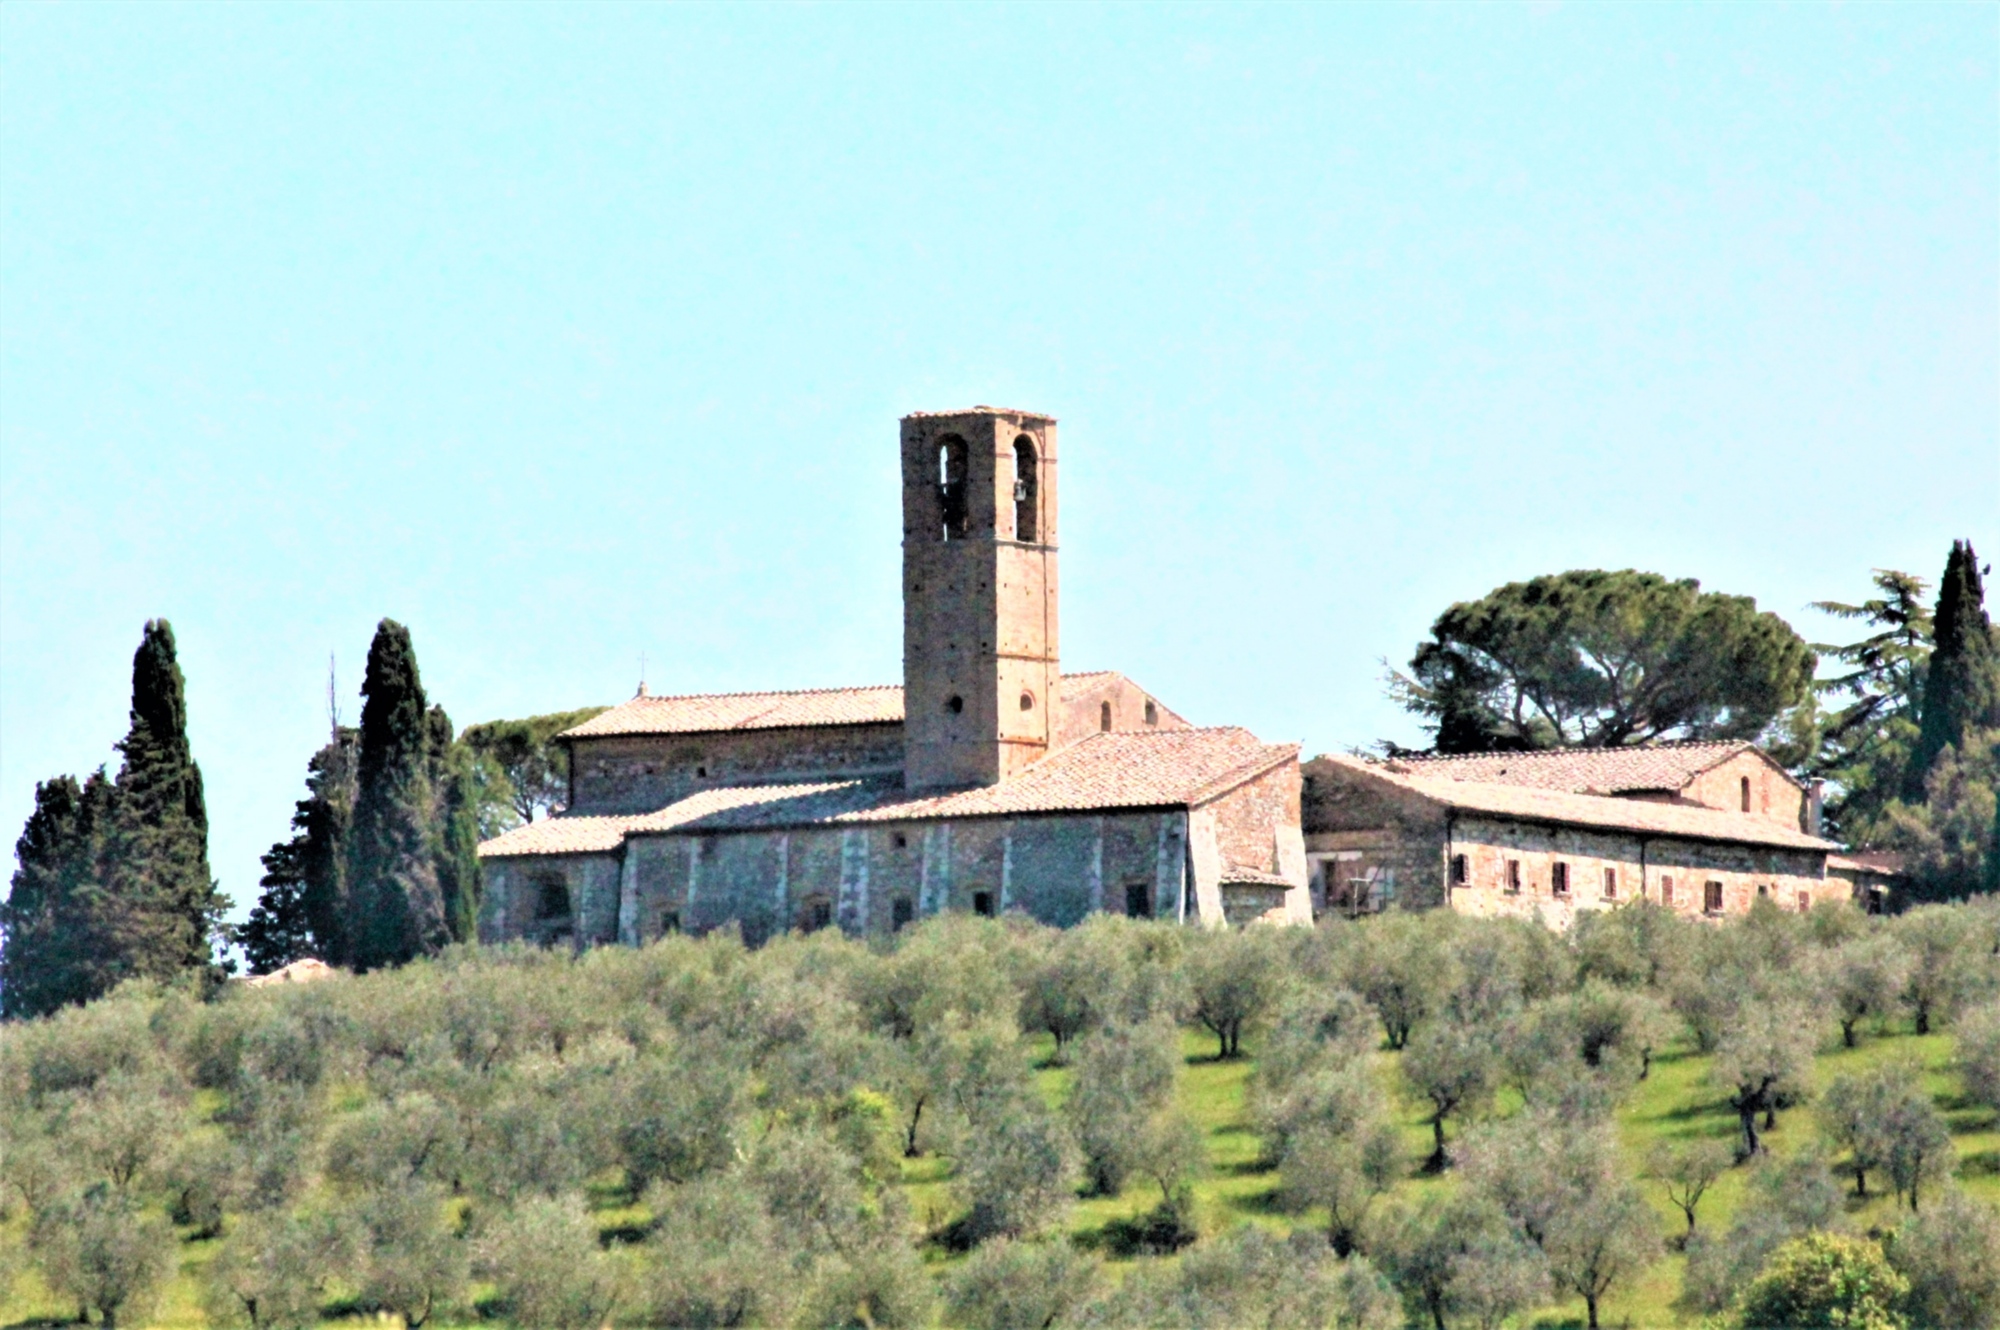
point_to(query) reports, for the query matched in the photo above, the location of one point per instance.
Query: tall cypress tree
(398, 908)
(306, 908)
(162, 908)
(455, 827)
(1962, 684)
(54, 949)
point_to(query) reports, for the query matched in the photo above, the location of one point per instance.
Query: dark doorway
(1139, 899)
(900, 913)
(982, 903)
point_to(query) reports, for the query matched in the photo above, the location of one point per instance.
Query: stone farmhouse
(1704, 828)
(988, 781)
(991, 781)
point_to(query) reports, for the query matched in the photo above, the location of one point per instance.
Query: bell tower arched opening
(1027, 492)
(951, 485)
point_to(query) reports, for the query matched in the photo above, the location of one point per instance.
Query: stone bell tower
(980, 674)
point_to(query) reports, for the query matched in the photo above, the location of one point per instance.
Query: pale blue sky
(565, 334)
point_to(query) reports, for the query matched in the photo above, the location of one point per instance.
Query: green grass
(1675, 1102)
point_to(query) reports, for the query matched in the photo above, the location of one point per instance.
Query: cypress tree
(398, 908)
(332, 784)
(53, 952)
(306, 907)
(456, 826)
(161, 906)
(1962, 683)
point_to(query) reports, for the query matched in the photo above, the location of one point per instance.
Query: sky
(576, 335)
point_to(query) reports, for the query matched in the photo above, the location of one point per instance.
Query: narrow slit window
(1514, 876)
(1152, 713)
(1746, 794)
(1104, 716)
(1611, 884)
(1559, 879)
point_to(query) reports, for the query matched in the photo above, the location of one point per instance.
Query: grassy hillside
(1678, 1100)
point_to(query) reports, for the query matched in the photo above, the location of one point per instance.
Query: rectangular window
(1712, 900)
(1611, 884)
(1460, 871)
(1666, 891)
(1514, 875)
(1559, 879)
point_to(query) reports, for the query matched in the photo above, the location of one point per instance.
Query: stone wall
(1081, 713)
(1642, 868)
(1394, 842)
(1055, 868)
(639, 773)
(515, 891)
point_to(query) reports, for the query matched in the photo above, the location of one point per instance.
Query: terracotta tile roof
(1122, 769)
(1256, 876)
(706, 713)
(1588, 810)
(1642, 767)
(702, 713)
(1887, 862)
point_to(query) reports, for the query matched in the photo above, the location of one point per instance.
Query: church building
(989, 781)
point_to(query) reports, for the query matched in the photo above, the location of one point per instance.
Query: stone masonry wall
(638, 773)
(513, 891)
(1055, 868)
(1642, 867)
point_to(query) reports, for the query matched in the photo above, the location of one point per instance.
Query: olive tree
(1687, 1170)
(1978, 1056)
(1235, 978)
(1865, 977)
(1764, 1057)
(1458, 1259)
(1950, 1254)
(271, 1271)
(1008, 1285)
(97, 1249)
(544, 1259)
(1452, 1068)
(1124, 1077)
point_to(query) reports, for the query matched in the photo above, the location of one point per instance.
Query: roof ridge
(764, 692)
(1529, 754)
